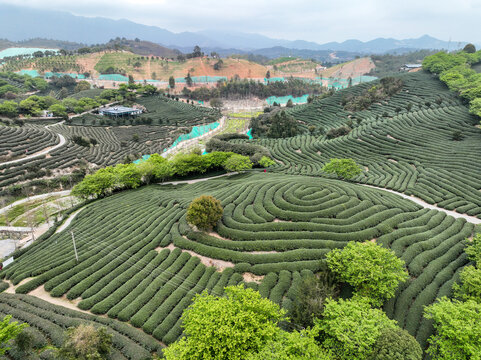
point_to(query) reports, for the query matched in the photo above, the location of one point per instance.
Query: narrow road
(37, 154)
(424, 204)
(67, 222)
(193, 181)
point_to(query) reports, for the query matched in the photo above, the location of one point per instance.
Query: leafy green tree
(470, 285)
(475, 107)
(224, 328)
(266, 161)
(9, 109)
(8, 331)
(310, 297)
(289, 103)
(350, 328)
(188, 80)
(171, 82)
(396, 344)
(162, 168)
(291, 346)
(473, 249)
(85, 342)
(63, 93)
(343, 168)
(204, 212)
(469, 48)
(216, 103)
(268, 74)
(98, 184)
(127, 176)
(457, 329)
(58, 110)
(374, 271)
(82, 86)
(238, 163)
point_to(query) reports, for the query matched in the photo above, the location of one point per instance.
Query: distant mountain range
(22, 23)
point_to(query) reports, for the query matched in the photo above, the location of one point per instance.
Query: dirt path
(67, 222)
(424, 204)
(220, 265)
(193, 181)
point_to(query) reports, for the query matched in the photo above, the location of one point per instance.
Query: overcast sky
(315, 20)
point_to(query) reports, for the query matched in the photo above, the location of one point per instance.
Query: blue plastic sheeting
(249, 134)
(50, 74)
(144, 158)
(282, 100)
(274, 79)
(32, 73)
(196, 132)
(21, 51)
(113, 77)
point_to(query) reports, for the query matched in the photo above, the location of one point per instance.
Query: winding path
(424, 204)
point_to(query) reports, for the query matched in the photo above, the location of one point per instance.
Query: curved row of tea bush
(48, 323)
(276, 226)
(16, 142)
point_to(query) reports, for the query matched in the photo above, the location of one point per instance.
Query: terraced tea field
(412, 152)
(48, 323)
(140, 262)
(114, 141)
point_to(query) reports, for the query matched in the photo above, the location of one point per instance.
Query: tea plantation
(140, 263)
(278, 227)
(113, 140)
(410, 151)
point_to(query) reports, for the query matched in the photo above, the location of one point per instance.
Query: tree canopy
(374, 271)
(343, 168)
(204, 212)
(228, 327)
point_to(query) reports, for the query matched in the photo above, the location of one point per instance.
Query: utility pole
(74, 247)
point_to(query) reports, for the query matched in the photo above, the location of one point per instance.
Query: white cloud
(315, 20)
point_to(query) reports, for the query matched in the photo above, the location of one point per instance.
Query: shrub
(204, 212)
(343, 168)
(238, 163)
(85, 342)
(266, 161)
(310, 296)
(350, 328)
(457, 327)
(396, 344)
(340, 131)
(457, 135)
(230, 327)
(374, 271)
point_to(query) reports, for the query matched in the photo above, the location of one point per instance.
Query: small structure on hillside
(408, 67)
(47, 114)
(120, 111)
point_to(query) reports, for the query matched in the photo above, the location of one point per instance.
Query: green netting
(196, 132)
(274, 79)
(32, 73)
(50, 74)
(113, 77)
(21, 51)
(282, 100)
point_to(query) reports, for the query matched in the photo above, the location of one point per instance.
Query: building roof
(413, 65)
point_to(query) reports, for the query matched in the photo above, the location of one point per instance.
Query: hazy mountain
(21, 23)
